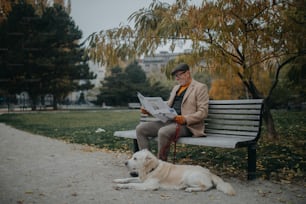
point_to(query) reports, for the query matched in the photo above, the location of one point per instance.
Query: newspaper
(157, 107)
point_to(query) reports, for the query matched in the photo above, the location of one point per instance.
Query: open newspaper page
(157, 107)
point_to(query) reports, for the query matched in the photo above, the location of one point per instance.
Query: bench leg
(135, 144)
(252, 162)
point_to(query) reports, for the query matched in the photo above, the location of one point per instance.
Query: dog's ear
(148, 158)
(146, 166)
(150, 162)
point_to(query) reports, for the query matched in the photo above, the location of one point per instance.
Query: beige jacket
(194, 106)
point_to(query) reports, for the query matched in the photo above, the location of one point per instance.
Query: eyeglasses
(178, 75)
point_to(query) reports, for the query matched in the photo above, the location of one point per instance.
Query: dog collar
(153, 169)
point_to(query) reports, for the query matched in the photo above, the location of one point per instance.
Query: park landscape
(240, 49)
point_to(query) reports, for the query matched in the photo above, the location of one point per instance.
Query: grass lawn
(282, 160)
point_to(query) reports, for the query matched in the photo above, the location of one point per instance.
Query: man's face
(182, 77)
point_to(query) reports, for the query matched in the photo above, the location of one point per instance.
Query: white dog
(155, 174)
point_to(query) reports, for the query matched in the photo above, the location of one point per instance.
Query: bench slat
(148, 119)
(209, 121)
(231, 127)
(211, 140)
(240, 117)
(235, 111)
(126, 134)
(231, 132)
(237, 106)
(243, 101)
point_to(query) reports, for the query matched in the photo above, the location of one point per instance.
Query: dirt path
(36, 169)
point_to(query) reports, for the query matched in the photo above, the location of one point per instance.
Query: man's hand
(144, 111)
(180, 119)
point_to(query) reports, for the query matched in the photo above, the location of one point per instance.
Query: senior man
(189, 98)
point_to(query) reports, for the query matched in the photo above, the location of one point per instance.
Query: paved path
(36, 169)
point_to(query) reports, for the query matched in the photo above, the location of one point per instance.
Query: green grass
(282, 160)
(77, 126)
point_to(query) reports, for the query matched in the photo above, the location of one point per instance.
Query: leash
(175, 139)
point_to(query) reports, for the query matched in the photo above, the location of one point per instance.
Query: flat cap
(180, 67)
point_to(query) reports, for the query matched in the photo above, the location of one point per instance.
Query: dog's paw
(120, 186)
(120, 181)
(189, 190)
(117, 181)
(193, 189)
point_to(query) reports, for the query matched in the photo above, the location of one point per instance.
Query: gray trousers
(163, 131)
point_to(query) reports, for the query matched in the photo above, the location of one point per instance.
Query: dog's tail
(223, 186)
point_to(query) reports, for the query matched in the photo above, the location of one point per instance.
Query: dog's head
(142, 162)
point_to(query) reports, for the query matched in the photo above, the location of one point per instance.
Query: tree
(122, 85)
(248, 37)
(38, 5)
(296, 26)
(41, 53)
(114, 88)
(63, 56)
(18, 49)
(135, 74)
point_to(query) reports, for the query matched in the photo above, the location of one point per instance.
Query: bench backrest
(240, 118)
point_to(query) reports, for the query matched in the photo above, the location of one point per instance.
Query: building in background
(155, 63)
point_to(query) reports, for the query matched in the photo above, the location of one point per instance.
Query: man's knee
(163, 134)
(141, 137)
(163, 139)
(139, 129)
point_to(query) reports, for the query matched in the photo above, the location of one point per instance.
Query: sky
(96, 15)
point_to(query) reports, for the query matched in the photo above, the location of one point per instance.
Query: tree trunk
(54, 102)
(34, 104)
(269, 123)
(267, 116)
(33, 100)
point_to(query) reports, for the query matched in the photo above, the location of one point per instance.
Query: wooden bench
(230, 124)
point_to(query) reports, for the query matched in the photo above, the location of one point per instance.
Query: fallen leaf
(165, 197)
